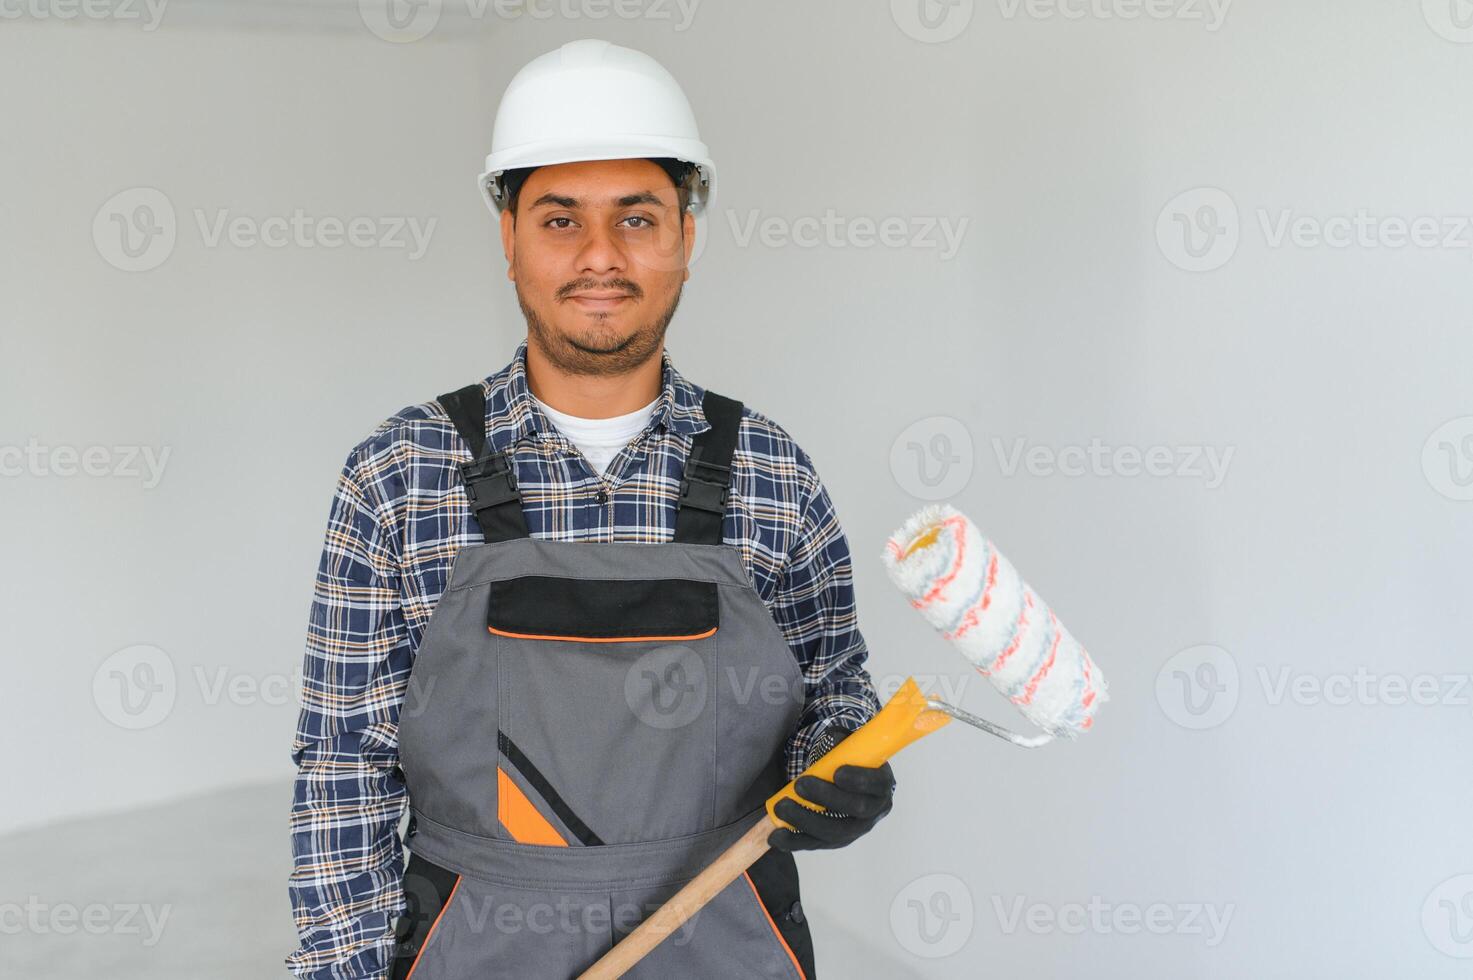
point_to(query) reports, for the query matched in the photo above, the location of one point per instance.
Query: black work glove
(855, 800)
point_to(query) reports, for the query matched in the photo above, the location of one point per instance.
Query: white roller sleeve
(971, 593)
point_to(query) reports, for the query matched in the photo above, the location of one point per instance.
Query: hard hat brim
(549, 152)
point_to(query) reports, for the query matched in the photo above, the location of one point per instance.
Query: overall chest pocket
(607, 707)
(547, 607)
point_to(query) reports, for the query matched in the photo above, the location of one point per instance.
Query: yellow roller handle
(904, 719)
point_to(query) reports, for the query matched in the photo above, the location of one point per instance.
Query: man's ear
(509, 242)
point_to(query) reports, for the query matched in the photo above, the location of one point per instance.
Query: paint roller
(967, 589)
(964, 587)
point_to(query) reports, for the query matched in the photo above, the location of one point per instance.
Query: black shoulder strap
(707, 479)
(467, 409)
(490, 480)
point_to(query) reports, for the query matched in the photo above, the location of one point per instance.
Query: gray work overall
(590, 725)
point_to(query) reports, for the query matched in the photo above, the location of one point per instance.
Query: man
(583, 616)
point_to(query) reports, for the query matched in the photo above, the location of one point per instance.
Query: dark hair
(682, 174)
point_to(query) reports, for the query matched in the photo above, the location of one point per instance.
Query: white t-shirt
(599, 439)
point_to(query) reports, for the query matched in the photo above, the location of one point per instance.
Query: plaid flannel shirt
(397, 519)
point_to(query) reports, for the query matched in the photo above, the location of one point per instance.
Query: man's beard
(597, 349)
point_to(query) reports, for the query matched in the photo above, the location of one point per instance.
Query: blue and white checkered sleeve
(815, 607)
(345, 884)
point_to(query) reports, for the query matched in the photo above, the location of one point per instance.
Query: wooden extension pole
(904, 718)
(683, 904)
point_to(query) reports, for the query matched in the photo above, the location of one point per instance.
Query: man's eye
(554, 220)
(640, 217)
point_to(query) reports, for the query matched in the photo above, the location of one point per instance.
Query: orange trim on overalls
(433, 926)
(599, 639)
(520, 816)
(768, 916)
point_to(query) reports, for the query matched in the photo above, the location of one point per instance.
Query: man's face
(598, 251)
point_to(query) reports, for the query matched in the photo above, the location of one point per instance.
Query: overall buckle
(489, 481)
(707, 488)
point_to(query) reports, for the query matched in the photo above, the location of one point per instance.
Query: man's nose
(602, 252)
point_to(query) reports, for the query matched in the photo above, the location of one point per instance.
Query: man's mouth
(599, 300)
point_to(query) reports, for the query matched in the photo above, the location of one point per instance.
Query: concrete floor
(196, 890)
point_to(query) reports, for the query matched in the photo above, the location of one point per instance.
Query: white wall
(1331, 543)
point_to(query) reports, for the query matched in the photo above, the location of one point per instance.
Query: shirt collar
(514, 414)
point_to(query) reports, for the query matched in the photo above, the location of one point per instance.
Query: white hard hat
(593, 100)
